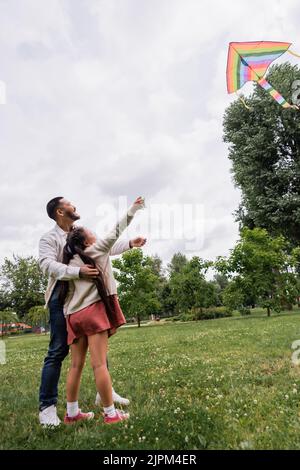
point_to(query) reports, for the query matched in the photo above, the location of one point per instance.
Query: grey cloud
(33, 51)
(110, 98)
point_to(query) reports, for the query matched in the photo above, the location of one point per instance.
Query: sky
(107, 100)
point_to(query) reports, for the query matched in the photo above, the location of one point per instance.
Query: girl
(93, 314)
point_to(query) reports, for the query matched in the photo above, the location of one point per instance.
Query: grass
(219, 384)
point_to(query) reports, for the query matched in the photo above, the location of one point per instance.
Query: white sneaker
(116, 398)
(48, 417)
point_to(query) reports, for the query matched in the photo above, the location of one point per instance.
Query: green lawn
(219, 384)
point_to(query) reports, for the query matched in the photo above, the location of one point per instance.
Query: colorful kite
(249, 61)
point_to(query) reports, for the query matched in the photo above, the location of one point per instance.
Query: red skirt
(95, 319)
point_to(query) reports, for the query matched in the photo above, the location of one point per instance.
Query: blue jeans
(58, 350)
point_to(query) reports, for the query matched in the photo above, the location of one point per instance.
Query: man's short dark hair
(52, 206)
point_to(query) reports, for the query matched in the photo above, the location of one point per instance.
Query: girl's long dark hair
(75, 246)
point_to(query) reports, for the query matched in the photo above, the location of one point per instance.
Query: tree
(177, 263)
(296, 263)
(264, 148)
(37, 316)
(157, 266)
(138, 284)
(238, 296)
(262, 271)
(6, 318)
(190, 287)
(220, 282)
(164, 292)
(4, 300)
(167, 298)
(23, 283)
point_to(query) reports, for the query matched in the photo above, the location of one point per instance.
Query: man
(50, 256)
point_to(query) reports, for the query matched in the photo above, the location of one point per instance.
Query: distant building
(12, 328)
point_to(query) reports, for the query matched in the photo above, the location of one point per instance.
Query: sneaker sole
(44, 425)
(116, 422)
(80, 420)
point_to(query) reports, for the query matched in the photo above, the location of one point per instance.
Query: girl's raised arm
(107, 242)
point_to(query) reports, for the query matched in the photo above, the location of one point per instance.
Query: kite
(249, 61)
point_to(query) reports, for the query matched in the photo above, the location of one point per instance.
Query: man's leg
(58, 350)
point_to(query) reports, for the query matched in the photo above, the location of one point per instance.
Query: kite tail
(243, 101)
(275, 94)
(294, 53)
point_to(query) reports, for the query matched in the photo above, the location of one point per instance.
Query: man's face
(67, 210)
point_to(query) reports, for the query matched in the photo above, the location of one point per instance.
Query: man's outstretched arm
(119, 247)
(124, 245)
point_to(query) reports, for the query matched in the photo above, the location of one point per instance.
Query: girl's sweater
(83, 293)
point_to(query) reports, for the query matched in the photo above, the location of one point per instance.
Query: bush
(173, 318)
(187, 317)
(245, 311)
(15, 332)
(213, 312)
(196, 314)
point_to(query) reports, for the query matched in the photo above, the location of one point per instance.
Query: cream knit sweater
(83, 293)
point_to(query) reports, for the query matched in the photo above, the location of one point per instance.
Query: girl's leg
(78, 354)
(78, 351)
(98, 350)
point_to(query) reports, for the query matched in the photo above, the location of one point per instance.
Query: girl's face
(90, 237)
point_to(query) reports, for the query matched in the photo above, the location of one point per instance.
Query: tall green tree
(262, 272)
(138, 284)
(164, 292)
(177, 263)
(167, 299)
(23, 283)
(220, 282)
(264, 148)
(174, 268)
(157, 266)
(190, 287)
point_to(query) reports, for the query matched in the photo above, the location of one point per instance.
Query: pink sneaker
(80, 417)
(119, 416)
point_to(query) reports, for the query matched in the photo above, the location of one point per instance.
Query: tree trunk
(269, 311)
(139, 320)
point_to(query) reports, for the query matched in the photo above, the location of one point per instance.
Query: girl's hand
(140, 200)
(138, 204)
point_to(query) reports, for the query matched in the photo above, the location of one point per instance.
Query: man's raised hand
(138, 242)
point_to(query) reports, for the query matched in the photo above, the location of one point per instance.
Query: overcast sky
(121, 98)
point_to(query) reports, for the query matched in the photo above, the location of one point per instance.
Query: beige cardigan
(83, 293)
(51, 254)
